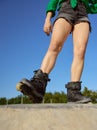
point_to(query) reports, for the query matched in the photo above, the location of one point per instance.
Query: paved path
(48, 117)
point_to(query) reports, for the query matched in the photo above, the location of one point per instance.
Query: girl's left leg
(80, 39)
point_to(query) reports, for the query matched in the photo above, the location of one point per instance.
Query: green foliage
(91, 94)
(56, 97)
(59, 97)
(26, 100)
(19, 100)
(48, 97)
(3, 101)
(16, 100)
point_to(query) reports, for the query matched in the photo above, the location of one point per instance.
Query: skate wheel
(18, 87)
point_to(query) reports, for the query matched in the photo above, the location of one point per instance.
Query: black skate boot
(74, 95)
(34, 88)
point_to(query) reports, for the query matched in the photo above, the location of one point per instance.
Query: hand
(47, 27)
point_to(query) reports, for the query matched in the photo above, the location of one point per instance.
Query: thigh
(80, 35)
(61, 30)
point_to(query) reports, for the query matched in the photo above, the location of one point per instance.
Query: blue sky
(23, 45)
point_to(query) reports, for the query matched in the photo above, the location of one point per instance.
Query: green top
(91, 5)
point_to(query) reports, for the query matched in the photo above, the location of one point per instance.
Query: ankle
(41, 75)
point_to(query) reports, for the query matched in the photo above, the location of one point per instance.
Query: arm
(52, 6)
(47, 24)
(50, 12)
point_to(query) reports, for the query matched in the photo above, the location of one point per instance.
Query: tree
(91, 94)
(3, 101)
(59, 97)
(48, 97)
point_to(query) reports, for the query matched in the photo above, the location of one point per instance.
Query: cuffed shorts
(73, 16)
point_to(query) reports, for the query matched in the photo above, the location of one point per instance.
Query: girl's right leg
(36, 87)
(60, 32)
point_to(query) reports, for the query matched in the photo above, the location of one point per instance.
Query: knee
(56, 48)
(79, 53)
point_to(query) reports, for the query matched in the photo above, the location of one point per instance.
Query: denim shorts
(73, 16)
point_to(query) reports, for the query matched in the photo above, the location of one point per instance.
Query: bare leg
(80, 39)
(60, 32)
